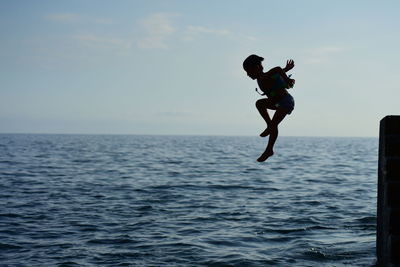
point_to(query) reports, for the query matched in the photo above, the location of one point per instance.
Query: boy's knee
(273, 126)
(259, 104)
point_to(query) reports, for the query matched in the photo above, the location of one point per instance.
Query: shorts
(287, 102)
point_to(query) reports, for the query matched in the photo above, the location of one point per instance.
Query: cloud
(158, 28)
(201, 29)
(324, 53)
(192, 32)
(102, 21)
(64, 17)
(76, 18)
(323, 50)
(173, 114)
(95, 40)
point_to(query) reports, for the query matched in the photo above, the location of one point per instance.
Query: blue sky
(174, 67)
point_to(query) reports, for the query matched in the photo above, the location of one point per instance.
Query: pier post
(388, 210)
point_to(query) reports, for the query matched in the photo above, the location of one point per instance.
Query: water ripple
(82, 200)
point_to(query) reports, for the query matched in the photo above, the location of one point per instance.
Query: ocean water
(110, 200)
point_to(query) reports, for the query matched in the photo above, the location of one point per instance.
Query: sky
(175, 67)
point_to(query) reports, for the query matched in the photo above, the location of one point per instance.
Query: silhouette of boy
(274, 83)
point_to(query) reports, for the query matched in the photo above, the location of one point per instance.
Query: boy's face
(254, 71)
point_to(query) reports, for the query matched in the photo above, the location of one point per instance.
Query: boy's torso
(268, 84)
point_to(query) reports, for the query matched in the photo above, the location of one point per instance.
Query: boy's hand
(291, 83)
(289, 65)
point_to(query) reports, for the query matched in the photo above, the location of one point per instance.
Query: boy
(274, 84)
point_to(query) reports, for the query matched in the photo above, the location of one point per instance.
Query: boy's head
(252, 65)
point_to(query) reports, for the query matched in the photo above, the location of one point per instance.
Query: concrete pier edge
(388, 204)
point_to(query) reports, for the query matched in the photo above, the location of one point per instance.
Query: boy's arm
(282, 72)
(288, 80)
(289, 65)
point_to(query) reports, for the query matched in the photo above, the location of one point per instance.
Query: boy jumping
(274, 83)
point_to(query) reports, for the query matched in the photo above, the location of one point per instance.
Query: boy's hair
(252, 61)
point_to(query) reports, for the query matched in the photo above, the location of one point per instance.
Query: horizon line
(200, 135)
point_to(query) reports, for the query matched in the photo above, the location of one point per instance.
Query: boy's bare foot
(264, 156)
(265, 133)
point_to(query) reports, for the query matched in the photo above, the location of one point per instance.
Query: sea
(142, 200)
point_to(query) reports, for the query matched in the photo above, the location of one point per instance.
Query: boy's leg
(262, 106)
(273, 130)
